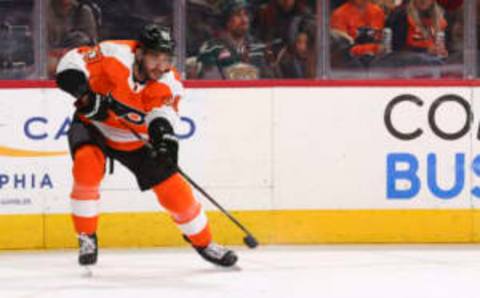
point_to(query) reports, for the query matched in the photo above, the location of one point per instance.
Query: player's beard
(138, 71)
(144, 74)
(154, 75)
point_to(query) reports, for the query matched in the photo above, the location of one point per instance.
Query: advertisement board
(297, 164)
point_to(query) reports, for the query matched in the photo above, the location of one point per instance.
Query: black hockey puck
(250, 241)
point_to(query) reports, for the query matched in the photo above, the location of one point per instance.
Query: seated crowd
(251, 39)
(372, 34)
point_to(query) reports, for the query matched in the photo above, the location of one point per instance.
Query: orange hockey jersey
(415, 37)
(109, 70)
(348, 18)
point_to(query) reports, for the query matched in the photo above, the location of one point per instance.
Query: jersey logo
(91, 54)
(135, 118)
(128, 113)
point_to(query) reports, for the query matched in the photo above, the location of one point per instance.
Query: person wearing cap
(127, 92)
(235, 55)
(64, 16)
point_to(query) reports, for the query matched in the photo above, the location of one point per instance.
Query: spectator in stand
(419, 27)
(235, 54)
(65, 16)
(202, 24)
(274, 19)
(298, 58)
(387, 5)
(70, 23)
(72, 39)
(361, 23)
(454, 33)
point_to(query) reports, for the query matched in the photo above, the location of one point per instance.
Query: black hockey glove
(73, 82)
(164, 140)
(94, 106)
(91, 105)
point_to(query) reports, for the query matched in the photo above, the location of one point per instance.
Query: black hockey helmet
(157, 38)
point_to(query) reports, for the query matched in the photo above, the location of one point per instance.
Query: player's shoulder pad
(172, 80)
(117, 47)
(122, 50)
(176, 74)
(73, 59)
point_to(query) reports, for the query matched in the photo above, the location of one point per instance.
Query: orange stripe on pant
(88, 171)
(176, 196)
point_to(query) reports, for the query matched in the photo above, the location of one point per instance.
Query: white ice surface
(287, 271)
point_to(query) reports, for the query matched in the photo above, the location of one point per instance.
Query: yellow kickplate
(149, 229)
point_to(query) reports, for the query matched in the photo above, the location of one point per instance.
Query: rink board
(297, 164)
(270, 227)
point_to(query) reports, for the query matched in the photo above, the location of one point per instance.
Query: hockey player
(122, 85)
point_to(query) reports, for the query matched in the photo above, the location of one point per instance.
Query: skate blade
(231, 268)
(235, 268)
(87, 272)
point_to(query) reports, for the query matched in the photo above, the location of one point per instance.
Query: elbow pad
(73, 82)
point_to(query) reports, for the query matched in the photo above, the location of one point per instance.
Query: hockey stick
(249, 239)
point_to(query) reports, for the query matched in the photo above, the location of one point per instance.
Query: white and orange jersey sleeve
(103, 65)
(82, 58)
(73, 59)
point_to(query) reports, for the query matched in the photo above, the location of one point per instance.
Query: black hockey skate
(88, 249)
(218, 255)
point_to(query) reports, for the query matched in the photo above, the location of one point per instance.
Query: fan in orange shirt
(362, 22)
(425, 23)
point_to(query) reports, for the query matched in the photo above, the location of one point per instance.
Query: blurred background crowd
(255, 39)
